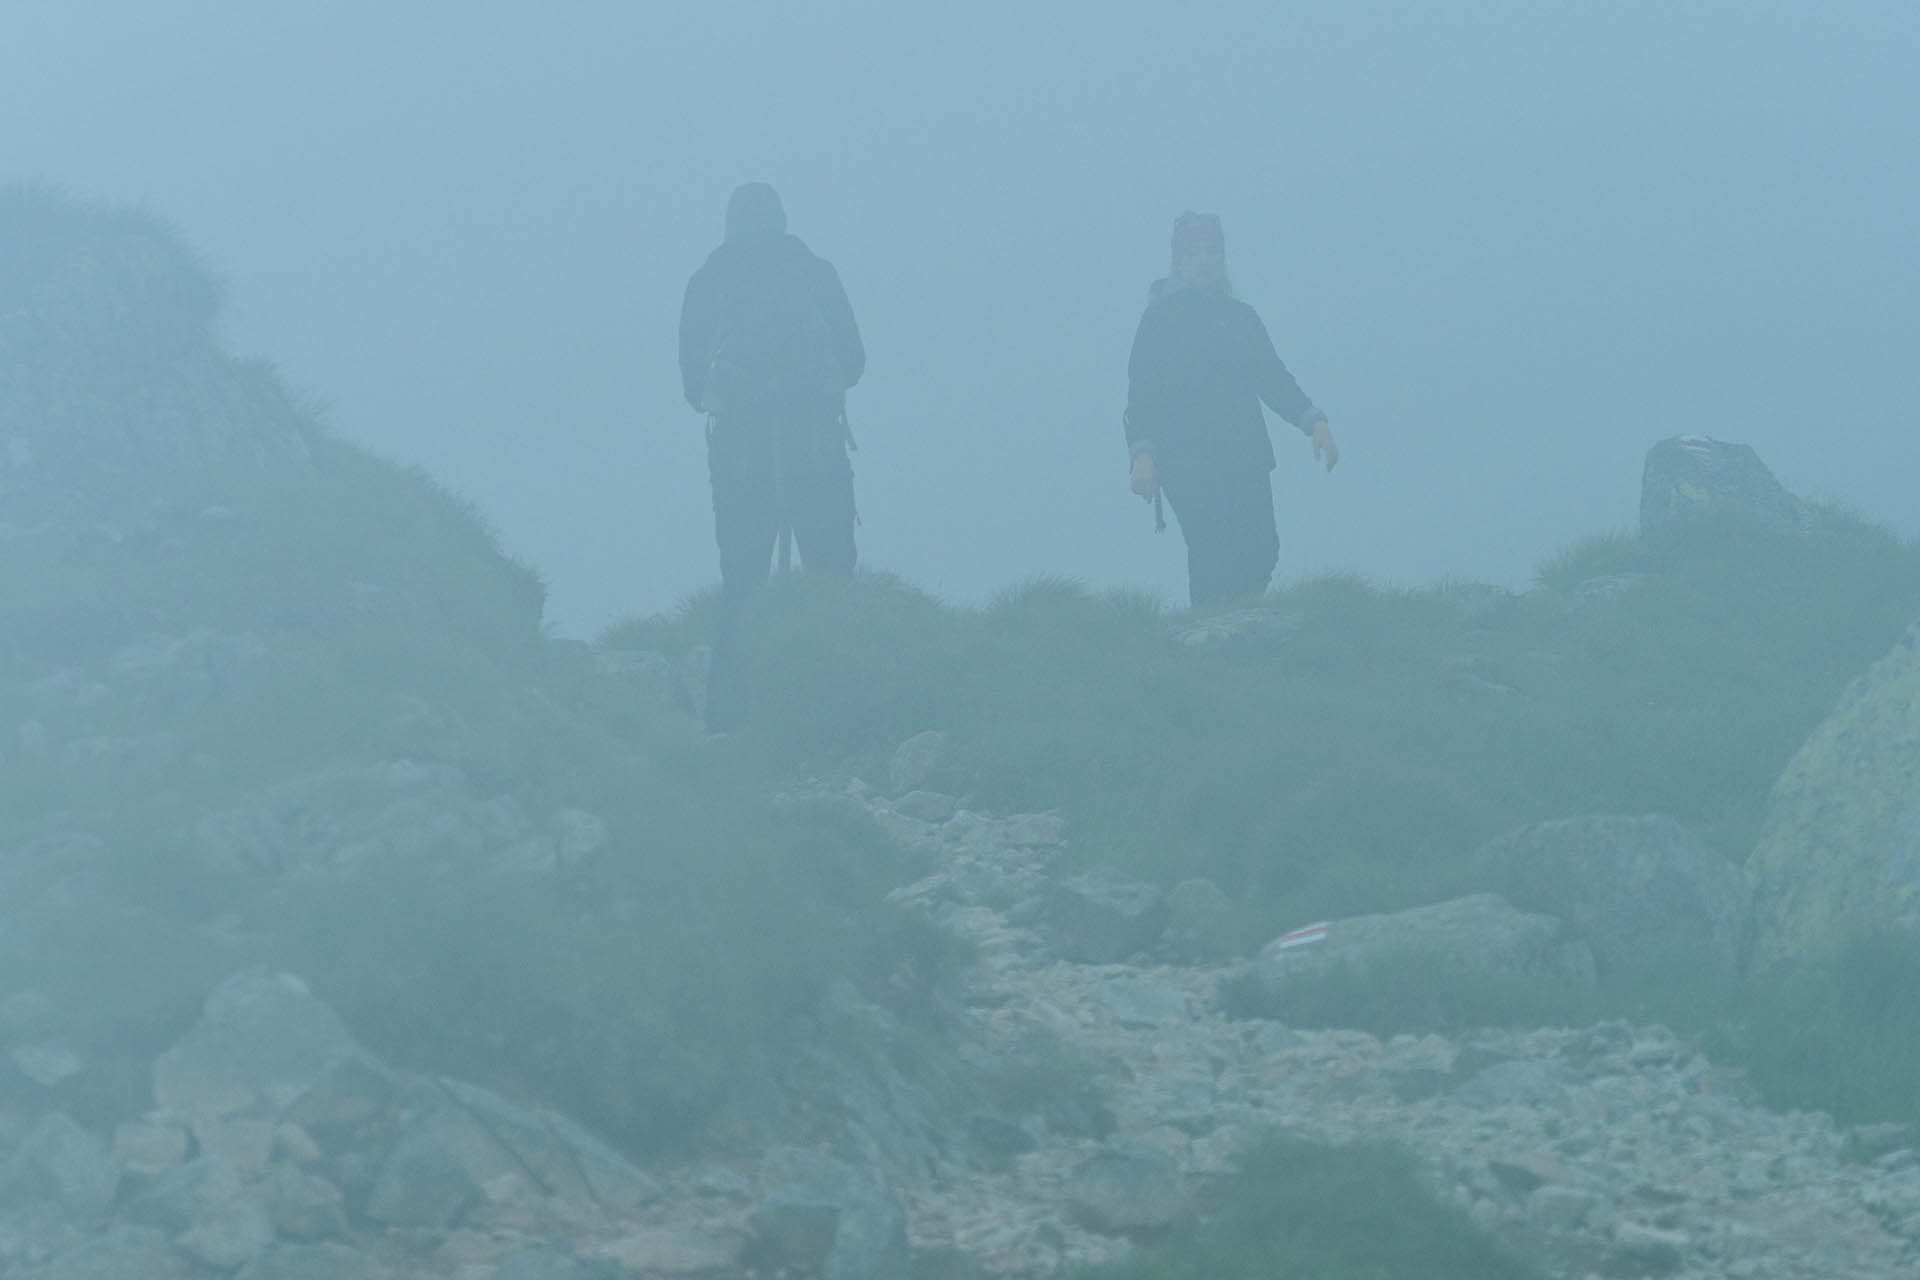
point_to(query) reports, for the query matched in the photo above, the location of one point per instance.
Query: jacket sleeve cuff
(1309, 418)
(1135, 448)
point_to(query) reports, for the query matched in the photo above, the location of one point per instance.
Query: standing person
(768, 351)
(1202, 364)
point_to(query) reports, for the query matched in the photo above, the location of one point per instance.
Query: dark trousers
(765, 477)
(1226, 518)
(769, 473)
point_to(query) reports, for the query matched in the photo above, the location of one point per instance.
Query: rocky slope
(278, 1147)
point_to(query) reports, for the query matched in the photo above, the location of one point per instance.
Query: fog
(1506, 246)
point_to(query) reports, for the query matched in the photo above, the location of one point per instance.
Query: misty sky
(1506, 246)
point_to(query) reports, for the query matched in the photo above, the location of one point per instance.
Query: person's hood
(754, 210)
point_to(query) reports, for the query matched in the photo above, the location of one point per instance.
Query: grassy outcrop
(269, 699)
(1354, 763)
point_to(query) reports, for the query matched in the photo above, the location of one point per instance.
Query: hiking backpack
(772, 345)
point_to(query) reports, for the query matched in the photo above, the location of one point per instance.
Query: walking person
(768, 350)
(1201, 367)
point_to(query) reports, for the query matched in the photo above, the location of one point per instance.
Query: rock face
(1690, 481)
(1841, 847)
(1636, 890)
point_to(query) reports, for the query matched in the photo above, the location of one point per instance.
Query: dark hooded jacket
(1202, 364)
(746, 283)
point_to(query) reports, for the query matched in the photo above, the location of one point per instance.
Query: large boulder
(262, 1040)
(1480, 934)
(1636, 890)
(1840, 850)
(1689, 481)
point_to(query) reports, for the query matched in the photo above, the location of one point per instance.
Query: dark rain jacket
(1202, 364)
(782, 310)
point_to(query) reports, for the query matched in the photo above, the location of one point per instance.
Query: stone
(302, 1206)
(1523, 1083)
(1872, 1141)
(1560, 1208)
(871, 1240)
(999, 1138)
(311, 1262)
(120, 1253)
(1640, 1250)
(1839, 852)
(825, 1218)
(1134, 1002)
(541, 1153)
(541, 1263)
(262, 1040)
(1102, 917)
(60, 1161)
(149, 1148)
(1636, 890)
(1251, 628)
(349, 1093)
(1690, 481)
(1126, 1189)
(49, 1063)
(1478, 934)
(214, 1215)
(443, 1164)
(673, 1251)
(926, 806)
(244, 1142)
(919, 762)
(228, 1239)
(619, 1186)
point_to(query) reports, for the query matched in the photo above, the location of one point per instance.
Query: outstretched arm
(1283, 395)
(1275, 383)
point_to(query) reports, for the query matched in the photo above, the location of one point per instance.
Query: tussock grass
(1356, 766)
(1839, 1030)
(1353, 766)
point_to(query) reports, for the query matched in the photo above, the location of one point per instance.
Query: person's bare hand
(1145, 480)
(1323, 445)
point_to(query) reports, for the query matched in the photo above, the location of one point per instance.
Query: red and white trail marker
(1303, 936)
